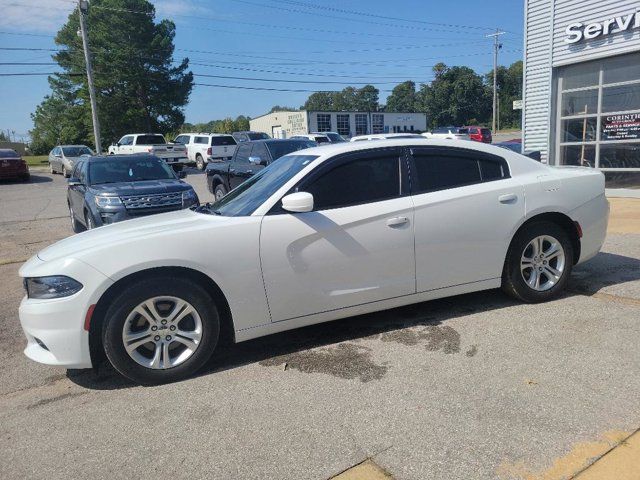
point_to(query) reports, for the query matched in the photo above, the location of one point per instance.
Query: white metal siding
(586, 12)
(537, 74)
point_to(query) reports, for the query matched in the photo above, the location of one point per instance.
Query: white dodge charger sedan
(321, 234)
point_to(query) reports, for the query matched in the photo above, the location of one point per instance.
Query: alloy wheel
(162, 332)
(542, 263)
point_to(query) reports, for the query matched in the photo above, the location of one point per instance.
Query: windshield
(322, 139)
(129, 170)
(75, 151)
(150, 140)
(246, 198)
(335, 137)
(281, 148)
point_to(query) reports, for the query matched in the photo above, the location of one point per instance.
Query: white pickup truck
(153, 143)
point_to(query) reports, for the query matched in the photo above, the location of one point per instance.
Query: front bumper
(55, 328)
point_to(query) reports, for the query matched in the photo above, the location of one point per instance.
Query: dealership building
(582, 85)
(347, 124)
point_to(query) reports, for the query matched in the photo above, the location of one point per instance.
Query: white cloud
(47, 16)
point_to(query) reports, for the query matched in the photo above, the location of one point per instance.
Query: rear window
(472, 130)
(8, 154)
(225, 140)
(257, 136)
(150, 140)
(485, 132)
(322, 140)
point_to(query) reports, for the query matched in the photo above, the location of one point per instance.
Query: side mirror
(117, 144)
(298, 202)
(73, 181)
(182, 174)
(255, 160)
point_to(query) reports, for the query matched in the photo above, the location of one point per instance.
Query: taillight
(209, 151)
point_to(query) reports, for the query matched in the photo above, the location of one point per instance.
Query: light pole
(496, 46)
(83, 6)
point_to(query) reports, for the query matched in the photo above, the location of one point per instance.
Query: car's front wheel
(200, 162)
(161, 330)
(65, 172)
(538, 263)
(219, 191)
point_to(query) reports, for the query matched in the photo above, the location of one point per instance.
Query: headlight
(104, 201)
(189, 197)
(51, 287)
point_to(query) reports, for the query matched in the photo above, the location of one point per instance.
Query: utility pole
(496, 46)
(83, 6)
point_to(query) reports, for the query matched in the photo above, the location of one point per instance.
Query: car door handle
(508, 198)
(397, 221)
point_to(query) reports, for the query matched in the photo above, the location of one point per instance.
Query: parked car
(449, 133)
(478, 134)
(334, 137)
(517, 147)
(12, 166)
(154, 144)
(249, 159)
(314, 137)
(207, 147)
(63, 157)
(108, 189)
(249, 136)
(320, 234)
(384, 136)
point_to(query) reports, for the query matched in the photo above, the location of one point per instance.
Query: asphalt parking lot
(474, 386)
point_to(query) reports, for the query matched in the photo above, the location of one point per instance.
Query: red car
(479, 134)
(12, 166)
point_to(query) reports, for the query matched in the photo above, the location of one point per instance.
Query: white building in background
(347, 124)
(582, 85)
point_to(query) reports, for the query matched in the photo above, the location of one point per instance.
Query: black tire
(177, 168)
(146, 289)
(513, 277)
(76, 226)
(219, 192)
(88, 221)
(200, 164)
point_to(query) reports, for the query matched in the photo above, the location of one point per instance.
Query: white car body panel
(317, 266)
(170, 153)
(218, 152)
(337, 258)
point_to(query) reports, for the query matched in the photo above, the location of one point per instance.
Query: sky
(305, 42)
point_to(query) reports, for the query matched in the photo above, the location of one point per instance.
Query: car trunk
(12, 167)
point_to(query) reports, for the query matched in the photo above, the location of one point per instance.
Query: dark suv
(109, 189)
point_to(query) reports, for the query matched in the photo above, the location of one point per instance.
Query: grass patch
(37, 160)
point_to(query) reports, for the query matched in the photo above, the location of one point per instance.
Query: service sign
(621, 127)
(623, 23)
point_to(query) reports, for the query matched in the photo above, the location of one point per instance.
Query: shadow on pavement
(33, 179)
(604, 270)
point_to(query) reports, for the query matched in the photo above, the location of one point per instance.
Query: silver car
(63, 157)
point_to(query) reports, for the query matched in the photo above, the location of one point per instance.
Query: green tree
(454, 97)
(319, 101)
(279, 108)
(138, 86)
(3, 137)
(366, 99)
(509, 89)
(363, 99)
(402, 98)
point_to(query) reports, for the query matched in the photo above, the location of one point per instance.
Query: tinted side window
(201, 140)
(491, 170)
(243, 153)
(82, 173)
(226, 140)
(356, 182)
(438, 172)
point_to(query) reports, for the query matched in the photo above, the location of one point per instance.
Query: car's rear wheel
(161, 330)
(200, 162)
(76, 226)
(538, 263)
(220, 191)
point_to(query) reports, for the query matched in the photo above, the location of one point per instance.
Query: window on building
(362, 125)
(599, 116)
(344, 128)
(377, 123)
(324, 122)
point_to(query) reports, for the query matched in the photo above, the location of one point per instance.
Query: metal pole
(496, 47)
(83, 6)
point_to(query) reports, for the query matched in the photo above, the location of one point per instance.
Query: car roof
(132, 156)
(206, 134)
(63, 146)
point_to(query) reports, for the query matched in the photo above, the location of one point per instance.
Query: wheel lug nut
(154, 328)
(172, 328)
(164, 322)
(157, 338)
(168, 337)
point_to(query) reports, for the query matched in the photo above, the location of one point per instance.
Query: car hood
(147, 187)
(150, 228)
